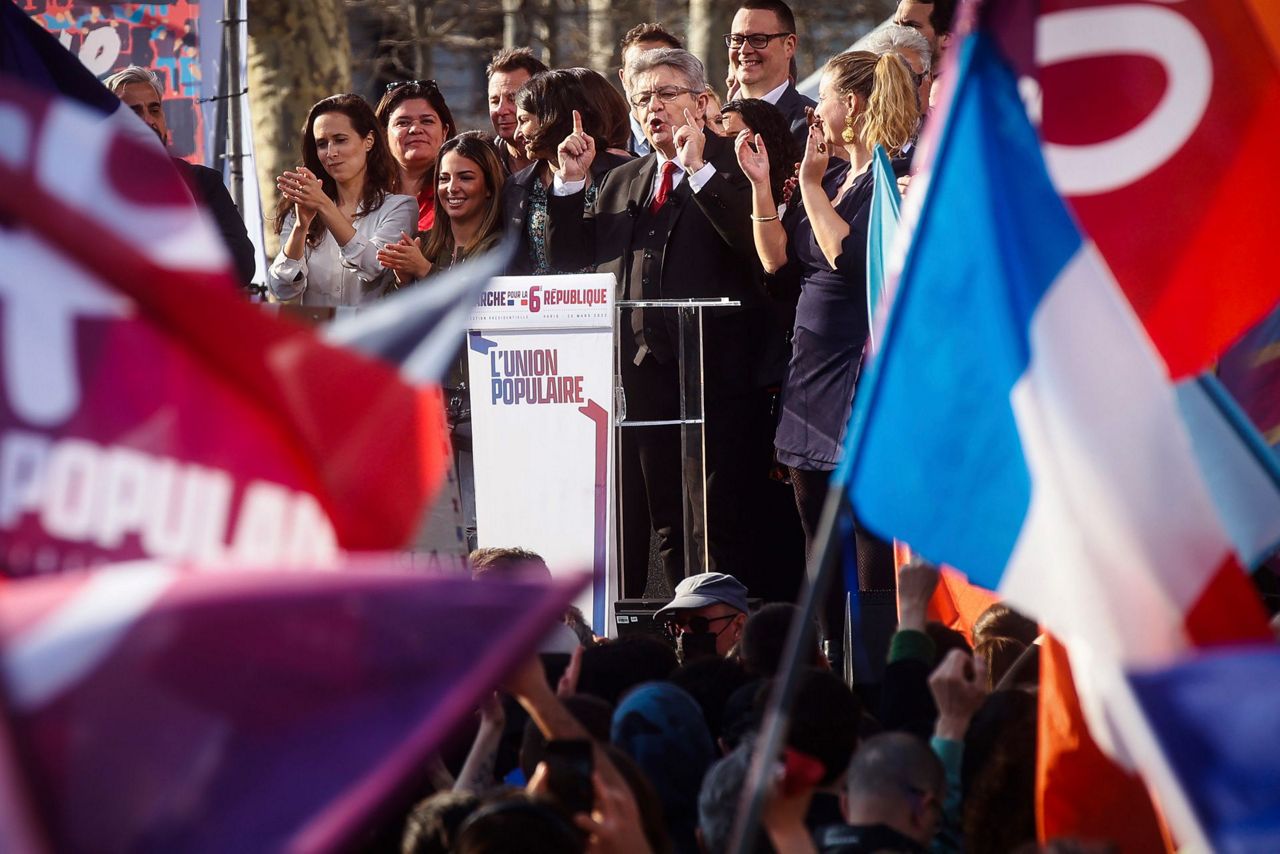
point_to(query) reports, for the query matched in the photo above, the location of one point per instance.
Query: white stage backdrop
(540, 355)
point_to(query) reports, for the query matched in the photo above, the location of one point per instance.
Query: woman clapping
(468, 211)
(338, 209)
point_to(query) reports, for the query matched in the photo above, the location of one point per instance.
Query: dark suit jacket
(792, 105)
(708, 251)
(515, 201)
(209, 191)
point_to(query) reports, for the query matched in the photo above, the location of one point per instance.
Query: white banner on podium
(540, 357)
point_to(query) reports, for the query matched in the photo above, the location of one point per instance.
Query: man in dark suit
(675, 224)
(139, 89)
(761, 48)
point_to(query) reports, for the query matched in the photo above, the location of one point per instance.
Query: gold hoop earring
(847, 134)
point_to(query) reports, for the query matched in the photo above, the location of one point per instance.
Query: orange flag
(1080, 793)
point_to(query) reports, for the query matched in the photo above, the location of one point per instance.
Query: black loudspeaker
(635, 617)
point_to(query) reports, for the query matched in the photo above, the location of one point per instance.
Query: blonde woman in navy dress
(863, 100)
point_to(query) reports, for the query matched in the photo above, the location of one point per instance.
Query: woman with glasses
(468, 211)
(864, 100)
(338, 209)
(545, 106)
(418, 121)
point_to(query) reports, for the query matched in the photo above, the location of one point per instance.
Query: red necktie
(664, 189)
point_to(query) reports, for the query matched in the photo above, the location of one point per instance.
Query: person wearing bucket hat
(707, 605)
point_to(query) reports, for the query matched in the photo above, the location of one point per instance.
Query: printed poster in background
(180, 41)
(540, 354)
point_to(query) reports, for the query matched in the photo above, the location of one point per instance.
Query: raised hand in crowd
(959, 688)
(614, 825)
(784, 815)
(916, 583)
(690, 141)
(405, 259)
(477, 771)
(568, 684)
(576, 153)
(752, 157)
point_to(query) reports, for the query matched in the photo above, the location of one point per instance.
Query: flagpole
(777, 716)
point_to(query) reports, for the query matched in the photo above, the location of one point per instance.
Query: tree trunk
(709, 20)
(547, 31)
(602, 41)
(515, 25)
(299, 52)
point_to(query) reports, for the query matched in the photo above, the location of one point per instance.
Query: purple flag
(160, 709)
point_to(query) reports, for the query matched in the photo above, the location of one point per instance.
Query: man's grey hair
(895, 39)
(718, 800)
(688, 65)
(133, 74)
(886, 767)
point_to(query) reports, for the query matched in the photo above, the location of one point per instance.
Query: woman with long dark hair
(761, 117)
(338, 209)
(864, 100)
(545, 107)
(468, 211)
(418, 122)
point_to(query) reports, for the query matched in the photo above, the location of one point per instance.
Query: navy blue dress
(830, 330)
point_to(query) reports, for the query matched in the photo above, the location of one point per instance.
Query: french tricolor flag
(1019, 424)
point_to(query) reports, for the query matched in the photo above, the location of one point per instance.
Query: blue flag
(882, 231)
(1215, 718)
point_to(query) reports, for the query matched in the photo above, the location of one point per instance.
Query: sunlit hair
(133, 74)
(551, 97)
(609, 105)
(686, 64)
(650, 31)
(512, 59)
(381, 174)
(896, 39)
(478, 148)
(885, 86)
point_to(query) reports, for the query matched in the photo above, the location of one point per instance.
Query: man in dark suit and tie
(761, 48)
(675, 224)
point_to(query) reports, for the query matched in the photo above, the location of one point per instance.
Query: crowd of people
(684, 189)
(643, 743)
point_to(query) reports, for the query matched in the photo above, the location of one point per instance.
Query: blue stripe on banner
(882, 230)
(1216, 722)
(934, 453)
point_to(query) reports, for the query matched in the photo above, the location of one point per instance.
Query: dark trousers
(652, 392)
(874, 556)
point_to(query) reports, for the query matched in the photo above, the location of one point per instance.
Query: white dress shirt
(329, 274)
(773, 96)
(697, 180)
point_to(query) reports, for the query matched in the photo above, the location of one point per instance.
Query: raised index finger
(577, 122)
(688, 118)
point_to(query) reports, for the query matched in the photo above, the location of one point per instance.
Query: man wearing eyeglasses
(761, 48)
(711, 603)
(676, 225)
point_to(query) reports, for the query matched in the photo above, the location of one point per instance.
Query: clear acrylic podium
(691, 420)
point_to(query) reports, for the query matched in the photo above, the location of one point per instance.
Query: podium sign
(540, 362)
